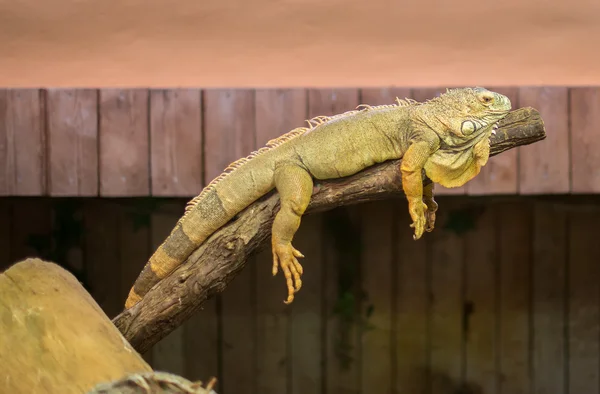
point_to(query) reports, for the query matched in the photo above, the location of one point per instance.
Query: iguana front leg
(411, 168)
(294, 185)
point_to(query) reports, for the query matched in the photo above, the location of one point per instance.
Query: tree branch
(215, 263)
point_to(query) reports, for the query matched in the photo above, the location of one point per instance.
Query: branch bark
(215, 263)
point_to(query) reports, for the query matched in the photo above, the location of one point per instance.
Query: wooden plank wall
(140, 142)
(503, 297)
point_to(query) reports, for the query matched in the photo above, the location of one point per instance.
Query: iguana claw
(430, 216)
(286, 256)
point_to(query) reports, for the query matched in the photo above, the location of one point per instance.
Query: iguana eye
(468, 127)
(486, 98)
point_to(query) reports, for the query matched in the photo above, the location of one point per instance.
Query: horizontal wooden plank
(72, 142)
(22, 143)
(176, 142)
(124, 168)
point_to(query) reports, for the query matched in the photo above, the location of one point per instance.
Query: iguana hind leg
(294, 185)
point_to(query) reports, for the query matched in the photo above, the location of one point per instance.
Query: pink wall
(298, 42)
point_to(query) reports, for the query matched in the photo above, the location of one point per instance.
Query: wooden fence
(144, 142)
(503, 296)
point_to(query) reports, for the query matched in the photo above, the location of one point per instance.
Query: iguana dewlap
(447, 137)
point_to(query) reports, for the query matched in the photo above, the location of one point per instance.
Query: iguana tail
(242, 183)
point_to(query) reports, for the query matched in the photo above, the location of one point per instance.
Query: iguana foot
(417, 209)
(430, 215)
(286, 256)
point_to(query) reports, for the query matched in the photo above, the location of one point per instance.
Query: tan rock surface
(54, 338)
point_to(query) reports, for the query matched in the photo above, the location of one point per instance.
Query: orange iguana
(446, 137)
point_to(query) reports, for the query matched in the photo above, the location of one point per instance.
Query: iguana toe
(286, 257)
(430, 215)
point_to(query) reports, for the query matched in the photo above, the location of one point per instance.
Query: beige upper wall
(255, 43)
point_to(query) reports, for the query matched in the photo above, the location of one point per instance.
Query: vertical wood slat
(331, 102)
(277, 112)
(176, 142)
(549, 256)
(230, 135)
(306, 315)
(135, 239)
(421, 95)
(31, 229)
(544, 166)
(22, 143)
(72, 142)
(101, 244)
(5, 225)
(201, 346)
(500, 174)
(446, 254)
(584, 302)
(585, 145)
(377, 259)
(514, 245)
(134, 248)
(123, 135)
(344, 314)
(377, 254)
(238, 349)
(480, 315)
(168, 354)
(412, 303)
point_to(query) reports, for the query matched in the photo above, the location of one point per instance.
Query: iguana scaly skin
(447, 137)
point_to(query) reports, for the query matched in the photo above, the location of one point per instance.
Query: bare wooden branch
(214, 264)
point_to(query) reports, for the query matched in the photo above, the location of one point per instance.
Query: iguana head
(464, 120)
(466, 112)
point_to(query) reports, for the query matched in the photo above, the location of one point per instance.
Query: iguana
(445, 139)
